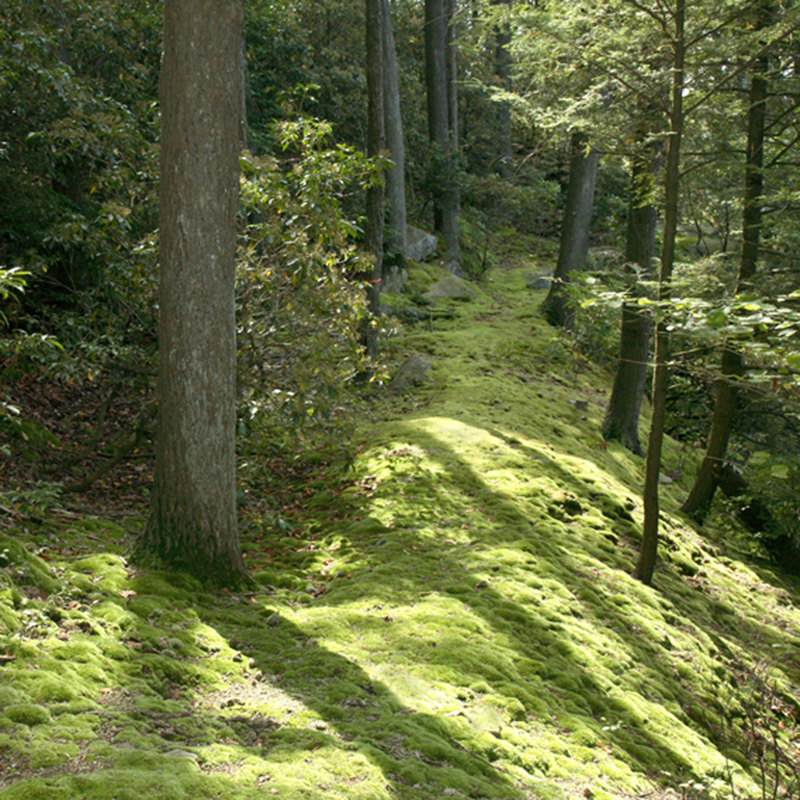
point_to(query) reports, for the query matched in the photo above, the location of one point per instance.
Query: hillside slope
(455, 617)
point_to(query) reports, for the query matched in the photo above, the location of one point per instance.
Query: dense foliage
(78, 218)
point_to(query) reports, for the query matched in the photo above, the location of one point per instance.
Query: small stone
(178, 753)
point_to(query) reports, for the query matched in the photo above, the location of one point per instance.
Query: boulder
(454, 267)
(414, 371)
(450, 286)
(539, 282)
(393, 280)
(420, 245)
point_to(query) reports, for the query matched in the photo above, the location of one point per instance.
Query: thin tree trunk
(502, 60)
(452, 205)
(647, 556)
(451, 57)
(621, 422)
(440, 103)
(575, 229)
(727, 389)
(393, 121)
(436, 92)
(192, 522)
(375, 145)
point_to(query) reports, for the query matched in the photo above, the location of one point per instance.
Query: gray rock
(393, 280)
(178, 753)
(420, 244)
(450, 286)
(413, 371)
(539, 282)
(454, 268)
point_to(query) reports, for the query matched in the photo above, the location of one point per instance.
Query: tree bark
(645, 565)
(375, 146)
(451, 57)
(453, 128)
(621, 422)
(575, 229)
(192, 522)
(393, 122)
(502, 60)
(727, 389)
(442, 111)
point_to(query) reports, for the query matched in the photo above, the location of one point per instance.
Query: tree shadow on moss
(542, 644)
(419, 754)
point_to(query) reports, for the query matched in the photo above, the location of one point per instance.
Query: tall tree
(375, 144)
(393, 120)
(192, 522)
(574, 245)
(502, 59)
(647, 555)
(621, 421)
(727, 385)
(442, 113)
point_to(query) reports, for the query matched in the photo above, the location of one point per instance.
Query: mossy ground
(454, 617)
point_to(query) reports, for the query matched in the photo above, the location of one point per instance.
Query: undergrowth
(454, 617)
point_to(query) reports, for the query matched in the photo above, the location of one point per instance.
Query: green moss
(454, 617)
(52, 689)
(27, 714)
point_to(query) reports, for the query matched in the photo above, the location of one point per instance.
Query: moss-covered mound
(453, 618)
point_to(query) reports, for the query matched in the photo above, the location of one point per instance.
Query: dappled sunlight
(456, 615)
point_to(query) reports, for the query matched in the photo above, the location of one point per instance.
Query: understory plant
(300, 288)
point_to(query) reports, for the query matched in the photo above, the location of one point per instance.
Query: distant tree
(192, 523)
(574, 246)
(502, 59)
(645, 564)
(393, 119)
(621, 422)
(375, 146)
(727, 387)
(442, 113)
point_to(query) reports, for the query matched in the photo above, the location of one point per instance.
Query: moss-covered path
(454, 618)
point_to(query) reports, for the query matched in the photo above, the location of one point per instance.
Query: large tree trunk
(621, 422)
(705, 485)
(442, 109)
(192, 523)
(375, 145)
(393, 121)
(647, 555)
(575, 228)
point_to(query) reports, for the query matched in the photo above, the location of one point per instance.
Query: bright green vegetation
(455, 617)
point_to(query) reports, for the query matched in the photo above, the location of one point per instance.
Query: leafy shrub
(529, 207)
(300, 288)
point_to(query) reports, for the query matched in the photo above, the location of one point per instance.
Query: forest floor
(453, 617)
